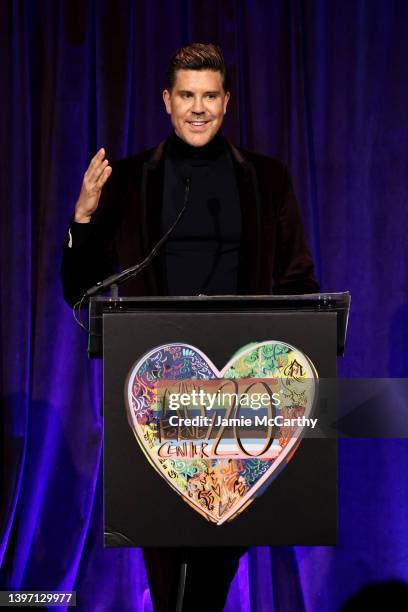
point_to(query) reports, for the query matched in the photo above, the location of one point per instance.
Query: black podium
(239, 490)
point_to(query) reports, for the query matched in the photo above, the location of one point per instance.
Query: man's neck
(180, 149)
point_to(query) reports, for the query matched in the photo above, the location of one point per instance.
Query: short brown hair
(197, 56)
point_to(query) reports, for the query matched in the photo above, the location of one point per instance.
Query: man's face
(197, 105)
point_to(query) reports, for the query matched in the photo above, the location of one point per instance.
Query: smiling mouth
(197, 123)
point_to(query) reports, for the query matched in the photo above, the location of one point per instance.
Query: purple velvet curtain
(321, 85)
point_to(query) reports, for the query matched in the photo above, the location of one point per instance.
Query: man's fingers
(93, 174)
(97, 158)
(104, 177)
(94, 177)
(94, 169)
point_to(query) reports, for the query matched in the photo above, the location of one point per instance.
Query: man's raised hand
(95, 177)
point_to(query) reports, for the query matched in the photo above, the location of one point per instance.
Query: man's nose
(198, 107)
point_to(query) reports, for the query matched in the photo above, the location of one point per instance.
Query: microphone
(184, 171)
(125, 275)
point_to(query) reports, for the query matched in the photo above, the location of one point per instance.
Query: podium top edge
(334, 303)
(341, 298)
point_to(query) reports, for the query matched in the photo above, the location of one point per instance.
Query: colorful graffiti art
(219, 438)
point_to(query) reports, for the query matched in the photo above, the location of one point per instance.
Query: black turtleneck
(202, 253)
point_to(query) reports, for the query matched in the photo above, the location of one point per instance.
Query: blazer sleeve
(293, 271)
(89, 253)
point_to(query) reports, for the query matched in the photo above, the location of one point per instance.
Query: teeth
(198, 122)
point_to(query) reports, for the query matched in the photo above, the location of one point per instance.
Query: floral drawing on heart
(231, 431)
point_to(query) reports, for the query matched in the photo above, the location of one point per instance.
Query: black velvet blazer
(275, 257)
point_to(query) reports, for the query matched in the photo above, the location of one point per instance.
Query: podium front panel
(299, 507)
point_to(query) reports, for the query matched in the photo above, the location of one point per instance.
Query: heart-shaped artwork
(219, 438)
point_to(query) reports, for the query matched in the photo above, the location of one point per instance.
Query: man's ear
(167, 100)
(226, 100)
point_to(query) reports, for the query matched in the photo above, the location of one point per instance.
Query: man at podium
(241, 233)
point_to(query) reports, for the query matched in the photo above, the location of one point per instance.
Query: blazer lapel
(248, 189)
(152, 204)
